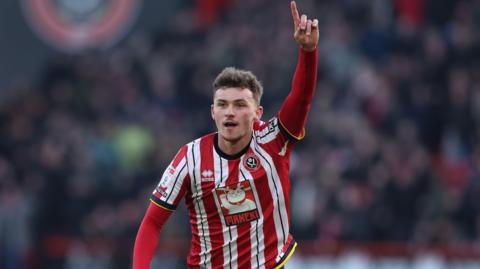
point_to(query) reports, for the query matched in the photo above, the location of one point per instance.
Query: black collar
(225, 155)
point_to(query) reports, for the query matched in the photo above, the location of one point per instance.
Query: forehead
(231, 94)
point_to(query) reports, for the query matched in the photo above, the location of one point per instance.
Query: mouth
(230, 124)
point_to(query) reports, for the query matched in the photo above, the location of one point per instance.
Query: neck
(233, 147)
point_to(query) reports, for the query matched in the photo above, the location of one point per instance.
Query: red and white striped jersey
(238, 205)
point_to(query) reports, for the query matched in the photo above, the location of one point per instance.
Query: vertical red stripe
(183, 189)
(282, 165)
(214, 223)
(243, 230)
(267, 204)
(194, 257)
(182, 153)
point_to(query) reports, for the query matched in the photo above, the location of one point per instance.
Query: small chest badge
(251, 162)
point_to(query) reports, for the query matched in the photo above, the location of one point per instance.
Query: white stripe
(234, 230)
(257, 237)
(202, 221)
(220, 170)
(226, 237)
(230, 234)
(230, 230)
(274, 183)
(176, 188)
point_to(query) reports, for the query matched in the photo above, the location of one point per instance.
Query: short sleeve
(274, 136)
(173, 184)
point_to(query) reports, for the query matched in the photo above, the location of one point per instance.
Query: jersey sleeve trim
(287, 256)
(289, 135)
(154, 199)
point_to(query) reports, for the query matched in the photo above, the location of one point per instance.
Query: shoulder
(195, 145)
(262, 128)
(273, 137)
(265, 132)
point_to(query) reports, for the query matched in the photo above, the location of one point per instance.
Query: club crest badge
(251, 162)
(71, 25)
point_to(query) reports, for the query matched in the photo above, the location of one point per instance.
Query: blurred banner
(71, 25)
(35, 32)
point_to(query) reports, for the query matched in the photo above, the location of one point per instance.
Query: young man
(235, 181)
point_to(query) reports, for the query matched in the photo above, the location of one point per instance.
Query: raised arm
(294, 111)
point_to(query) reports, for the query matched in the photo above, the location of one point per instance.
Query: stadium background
(387, 177)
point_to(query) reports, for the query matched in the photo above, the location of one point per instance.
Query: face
(234, 111)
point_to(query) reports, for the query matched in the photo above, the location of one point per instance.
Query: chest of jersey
(230, 189)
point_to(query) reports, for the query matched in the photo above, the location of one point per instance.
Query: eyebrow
(234, 101)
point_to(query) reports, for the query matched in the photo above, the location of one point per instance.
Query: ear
(259, 112)
(212, 111)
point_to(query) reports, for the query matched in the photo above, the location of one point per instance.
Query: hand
(306, 31)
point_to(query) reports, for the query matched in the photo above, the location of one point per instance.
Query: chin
(232, 139)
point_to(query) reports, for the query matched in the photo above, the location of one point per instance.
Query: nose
(229, 111)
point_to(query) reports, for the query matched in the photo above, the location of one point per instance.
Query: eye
(241, 104)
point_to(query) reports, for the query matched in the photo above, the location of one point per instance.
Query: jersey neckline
(228, 156)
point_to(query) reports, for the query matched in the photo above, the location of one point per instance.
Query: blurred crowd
(392, 150)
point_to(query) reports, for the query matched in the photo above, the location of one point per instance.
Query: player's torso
(238, 206)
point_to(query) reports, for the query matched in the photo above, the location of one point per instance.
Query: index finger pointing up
(295, 15)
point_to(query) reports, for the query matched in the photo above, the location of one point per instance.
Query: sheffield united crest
(251, 162)
(73, 25)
